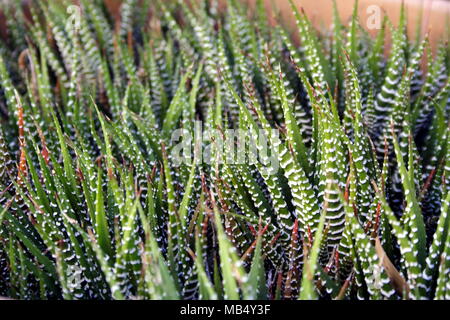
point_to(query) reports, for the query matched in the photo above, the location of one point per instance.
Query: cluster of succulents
(93, 205)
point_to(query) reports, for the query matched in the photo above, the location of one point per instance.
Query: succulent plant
(344, 193)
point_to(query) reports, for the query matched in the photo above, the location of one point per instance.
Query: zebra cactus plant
(309, 171)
